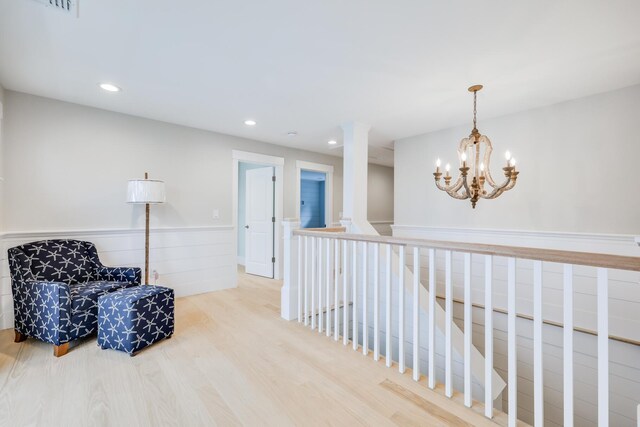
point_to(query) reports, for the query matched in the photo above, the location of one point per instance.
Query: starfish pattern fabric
(134, 318)
(56, 285)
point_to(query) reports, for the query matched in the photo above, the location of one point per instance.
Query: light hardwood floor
(231, 361)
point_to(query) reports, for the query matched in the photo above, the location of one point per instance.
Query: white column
(289, 292)
(355, 171)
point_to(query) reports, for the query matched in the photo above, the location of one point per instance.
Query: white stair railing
(355, 278)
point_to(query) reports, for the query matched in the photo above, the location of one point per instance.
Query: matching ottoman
(134, 318)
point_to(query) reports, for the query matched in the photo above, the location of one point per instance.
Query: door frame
(278, 164)
(328, 187)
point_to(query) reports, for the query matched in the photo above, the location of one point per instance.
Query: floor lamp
(146, 191)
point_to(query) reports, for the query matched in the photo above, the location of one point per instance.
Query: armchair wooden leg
(60, 350)
(19, 337)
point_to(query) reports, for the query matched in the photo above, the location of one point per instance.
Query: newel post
(289, 293)
(347, 224)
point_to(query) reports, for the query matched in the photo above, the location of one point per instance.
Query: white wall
(79, 160)
(577, 162)
(2, 104)
(379, 204)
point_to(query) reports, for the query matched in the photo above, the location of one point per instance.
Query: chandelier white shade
(474, 155)
(145, 191)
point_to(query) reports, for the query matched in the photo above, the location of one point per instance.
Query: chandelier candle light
(477, 149)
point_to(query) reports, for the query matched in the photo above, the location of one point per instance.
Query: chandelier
(477, 150)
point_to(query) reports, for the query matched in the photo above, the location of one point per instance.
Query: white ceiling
(307, 66)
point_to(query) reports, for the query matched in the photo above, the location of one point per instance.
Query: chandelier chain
(475, 94)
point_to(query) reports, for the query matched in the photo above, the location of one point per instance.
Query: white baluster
(306, 280)
(313, 282)
(300, 252)
(345, 292)
(512, 343)
(320, 283)
(336, 282)
(603, 348)
(468, 330)
(416, 313)
(538, 385)
(448, 347)
(432, 318)
(387, 331)
(376, 301)
(401, 311)
(365, 323)
(354, 295)
(568, 344)
(488, 337)
(328, 277)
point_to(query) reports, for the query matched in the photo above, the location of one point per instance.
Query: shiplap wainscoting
(624, 320)
(191, 260)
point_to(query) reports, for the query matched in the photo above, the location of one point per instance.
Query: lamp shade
(145, 191)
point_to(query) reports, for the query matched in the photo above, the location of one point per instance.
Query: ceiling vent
(68, 6)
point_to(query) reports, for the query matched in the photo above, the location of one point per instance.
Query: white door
(260, 222)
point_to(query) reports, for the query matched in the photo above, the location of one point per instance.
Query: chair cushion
(84, 296)
(68, 261)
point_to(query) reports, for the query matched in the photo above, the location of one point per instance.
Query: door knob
(246, 226)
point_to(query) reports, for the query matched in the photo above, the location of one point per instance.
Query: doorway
(257, 212)
(314, 194)
(312, 199)
(256, 218)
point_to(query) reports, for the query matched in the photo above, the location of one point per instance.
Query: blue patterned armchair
(56, 285)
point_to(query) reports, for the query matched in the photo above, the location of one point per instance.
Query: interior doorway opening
(314, 195)
(312, 199)
(256, 218)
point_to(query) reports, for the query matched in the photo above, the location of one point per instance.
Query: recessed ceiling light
(292, 133)
(250, 122)
(333, 142)
(109, 87)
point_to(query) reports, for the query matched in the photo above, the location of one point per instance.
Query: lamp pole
(146, 240)
(146, 191)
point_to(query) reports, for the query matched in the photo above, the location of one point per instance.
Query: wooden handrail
(327, 229)
(617, 262)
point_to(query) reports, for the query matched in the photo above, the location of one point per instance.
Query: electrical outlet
(216, 214)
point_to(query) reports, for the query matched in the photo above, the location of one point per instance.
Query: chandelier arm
(499, 190)
(454, 187)
(489, 178)
(458, 184)
(466, 187)
(494, 194)
(458, 196)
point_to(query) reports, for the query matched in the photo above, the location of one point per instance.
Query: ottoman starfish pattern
(134, 318)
